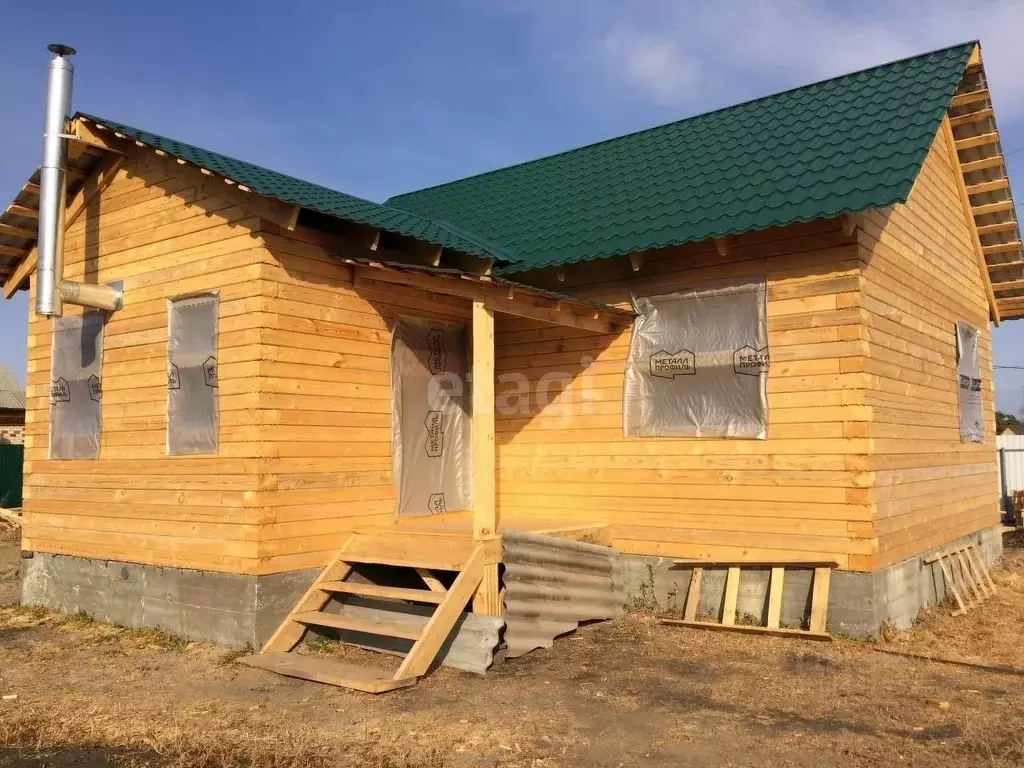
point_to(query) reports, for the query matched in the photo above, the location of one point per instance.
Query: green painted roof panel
(838, 146)
(295, 191)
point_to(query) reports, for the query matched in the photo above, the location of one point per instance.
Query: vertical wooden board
(693, 593)
(484, 512)
(775, 597)
(980, 561)
(440, 625)
(290, 632)
(732, 590)
(947, 574)
(487, 600)
(819, 600)
(971, 578)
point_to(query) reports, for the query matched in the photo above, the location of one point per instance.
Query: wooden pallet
(819, 601)
(966, 576)
(467, 557)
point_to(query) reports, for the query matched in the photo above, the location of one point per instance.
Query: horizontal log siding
(802, 493)
(325, 402)
(921, 276)
(134, 503)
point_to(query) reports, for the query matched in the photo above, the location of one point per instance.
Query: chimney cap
(60, 49)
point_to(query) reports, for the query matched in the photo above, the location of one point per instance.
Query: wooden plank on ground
(819, 600)
(693, 593)
(732, 591)
(440, 625)
(776, 631)
(329, 671)
(775, 597)
(952, 585)
(968, 577)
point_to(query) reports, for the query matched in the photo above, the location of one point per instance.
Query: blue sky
(380, 98)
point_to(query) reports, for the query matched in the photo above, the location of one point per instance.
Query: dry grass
(625, 693)
(989, 633)
(180, 741)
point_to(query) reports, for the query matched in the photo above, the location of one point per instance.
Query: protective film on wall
(698, 363)
(968, 374)
(431, 420)
(193, 416)
(76, 386)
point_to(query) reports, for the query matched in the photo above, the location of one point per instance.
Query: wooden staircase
(422, 552)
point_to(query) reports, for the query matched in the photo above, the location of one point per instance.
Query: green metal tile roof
(295, 191)
(838, 146)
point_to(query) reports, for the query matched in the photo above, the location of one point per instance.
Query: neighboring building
(861, 227)
(12, 408)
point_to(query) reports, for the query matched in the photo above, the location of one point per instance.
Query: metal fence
(11, 459)
(1010, 449)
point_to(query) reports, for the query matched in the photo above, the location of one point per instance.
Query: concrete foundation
(221, 608)
(859, 603)
(225, 609)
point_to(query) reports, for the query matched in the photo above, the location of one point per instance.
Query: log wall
(163, 239)
(802, 493)
(862, 463)
(326, 394)
(920, 277)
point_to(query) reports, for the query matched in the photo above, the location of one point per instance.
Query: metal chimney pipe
(53, 183)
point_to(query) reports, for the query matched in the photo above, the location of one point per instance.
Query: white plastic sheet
(968, 373)
(193, 416)
(76, 387)
(698, 363)
(431, 424)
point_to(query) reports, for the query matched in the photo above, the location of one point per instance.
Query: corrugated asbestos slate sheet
(838, 146)
(12, 394)
(553, 584)
(289, 189)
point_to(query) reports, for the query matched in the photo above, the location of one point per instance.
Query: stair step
(386, 593)
(330, 671)
(369, 626)
(385, 558)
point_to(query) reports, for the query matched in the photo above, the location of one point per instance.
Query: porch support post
(485, 521)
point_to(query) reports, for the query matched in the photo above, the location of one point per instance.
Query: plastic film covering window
(431, 421)
(76, 387)
(698, 363)
(193, 416)
(968, 373)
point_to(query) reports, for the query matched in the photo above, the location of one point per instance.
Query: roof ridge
(661, 126)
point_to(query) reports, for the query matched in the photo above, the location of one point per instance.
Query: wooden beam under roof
(1011, 247)
(15, 253)
(988, 186)
(994, 161)
(13, 231)
(101, 177)
(971, 117)
(1017, 264)
(970, 97)
(977, 141)
(1011, 285)
(968, 214)
(996, 207)
(521, 301)
(23, 210)
(1009, 225)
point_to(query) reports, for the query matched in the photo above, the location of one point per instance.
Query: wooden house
(864, 218)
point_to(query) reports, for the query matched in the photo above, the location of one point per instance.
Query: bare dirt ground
(623, 693)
